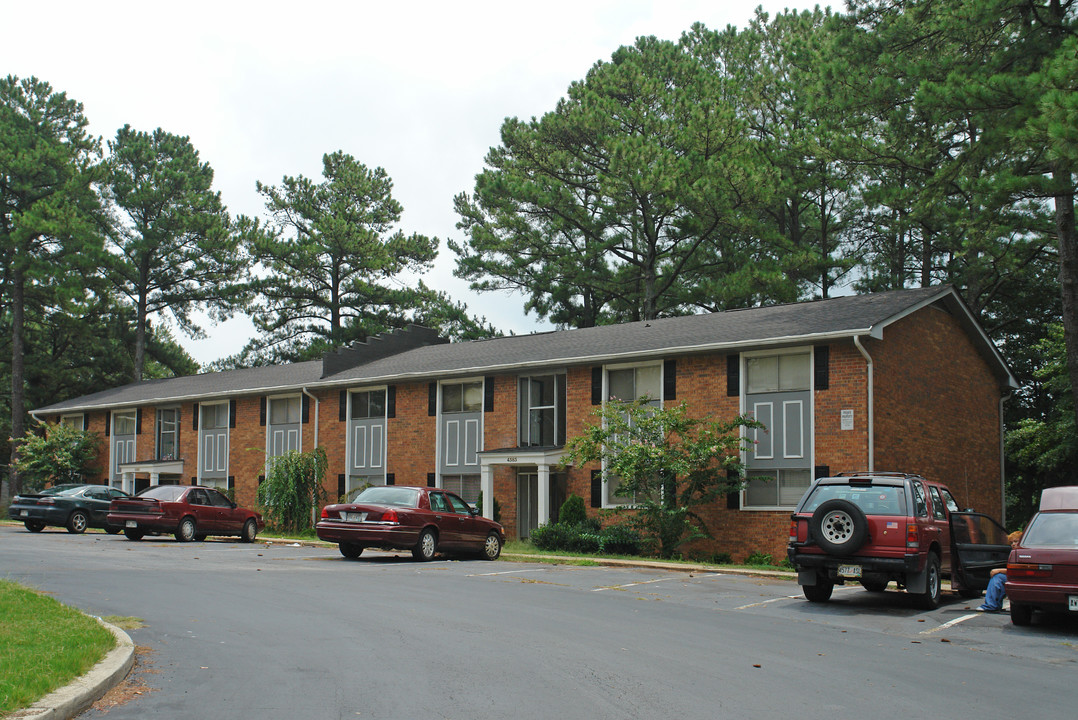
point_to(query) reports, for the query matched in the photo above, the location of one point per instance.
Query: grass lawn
(44, 645)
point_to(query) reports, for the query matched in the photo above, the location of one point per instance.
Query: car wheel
(34, 525)
(186, 531)
(350, 550)
(874, 585)
(930, 598)
(250, 531)
(426, 547)
(133, 534)
(77, 522)
(839, 527)
(492, 548)
(1021, 614)
(820, 592)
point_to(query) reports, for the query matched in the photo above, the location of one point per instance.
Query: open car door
(978, 544)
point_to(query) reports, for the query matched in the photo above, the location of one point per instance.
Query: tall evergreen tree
(331, 261)
(50, 216)
(175, 249)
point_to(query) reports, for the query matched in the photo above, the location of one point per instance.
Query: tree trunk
(1068, 271)
(18, 390)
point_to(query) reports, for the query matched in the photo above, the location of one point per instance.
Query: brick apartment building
(903, 380)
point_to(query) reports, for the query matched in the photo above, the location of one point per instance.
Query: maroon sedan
(423, 520)
(189, 512)
(1042, 571)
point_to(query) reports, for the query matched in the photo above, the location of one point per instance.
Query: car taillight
(325, 513)
(1028, 570)
(390, 516)
(793, 531)
(46, 501)
(913, 538)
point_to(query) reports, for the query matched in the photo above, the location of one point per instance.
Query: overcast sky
(264, 89)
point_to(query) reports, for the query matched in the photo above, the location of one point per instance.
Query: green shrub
(585, 538)
(572, 511)
(619, 540)
(550, 537)
(758, 558)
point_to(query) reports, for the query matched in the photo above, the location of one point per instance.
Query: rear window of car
(386, 495)
(1052, 530)
(873, 500)
(168, 493)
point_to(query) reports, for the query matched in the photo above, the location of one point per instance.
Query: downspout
(871, 414)
(1002, 462)
(314, 505)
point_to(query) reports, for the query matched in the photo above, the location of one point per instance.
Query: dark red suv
(878, 527)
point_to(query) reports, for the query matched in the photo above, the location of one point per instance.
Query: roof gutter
(871, 414)
(1002, 463)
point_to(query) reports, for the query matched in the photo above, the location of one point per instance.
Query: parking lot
(281, 629)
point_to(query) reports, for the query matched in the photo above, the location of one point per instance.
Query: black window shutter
(391, 401)
(262, 410)
(138, 421)
(231, 482)
(232, 413)
(821, 370)
(733, 375)
(432, 480)
(670, 380)
(391, 479)
(194, 481)
(432, 399)
(261, 479)
(342, 411)
(340, 485)
(304, 409)
(194, 416)
(596, 488)
(597, 386)
(821, 471)
(108, 423)
(733, 500)
(488, 394)
(85, 422)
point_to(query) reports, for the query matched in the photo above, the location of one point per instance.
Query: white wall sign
(847, 419)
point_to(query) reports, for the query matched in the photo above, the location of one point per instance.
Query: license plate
(849, 571)
(24, 513)
(1072, 602)
(355, 517)
(131, 524)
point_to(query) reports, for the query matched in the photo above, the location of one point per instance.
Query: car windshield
(60, 490)
(382, 495)
(872, 499)
(1052, 529)
(168, 493)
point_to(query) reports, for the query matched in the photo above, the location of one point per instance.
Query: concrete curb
(84, 691)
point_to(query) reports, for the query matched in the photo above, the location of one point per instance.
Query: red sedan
(1042, 571)
(189, 512)
(423, 520)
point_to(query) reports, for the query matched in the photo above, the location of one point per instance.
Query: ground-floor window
(776, 488)
(355, 484)
(467, 486)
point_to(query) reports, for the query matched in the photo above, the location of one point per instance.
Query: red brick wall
(410, 437)
(937, 408)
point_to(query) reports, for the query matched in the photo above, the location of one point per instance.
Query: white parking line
(767, 602)
(952, 623)
(648, 582)
(507, 572)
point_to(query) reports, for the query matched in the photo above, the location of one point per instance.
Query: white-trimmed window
(467, 486)
(778, 393)
(462, 397)
(628, 384)
(213, 424)
(542, 410)
(285, 415)
(168, 434)
(76, 421)
(366, 440)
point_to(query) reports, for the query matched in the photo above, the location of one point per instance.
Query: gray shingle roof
(797, 323)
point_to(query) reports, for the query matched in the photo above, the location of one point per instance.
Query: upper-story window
(542, 411)
(635, 383)
(167, 433)
(462, 397)
(369, 404)
(285, 411)
(123, 424)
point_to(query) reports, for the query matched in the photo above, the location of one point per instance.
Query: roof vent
(379, 346)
